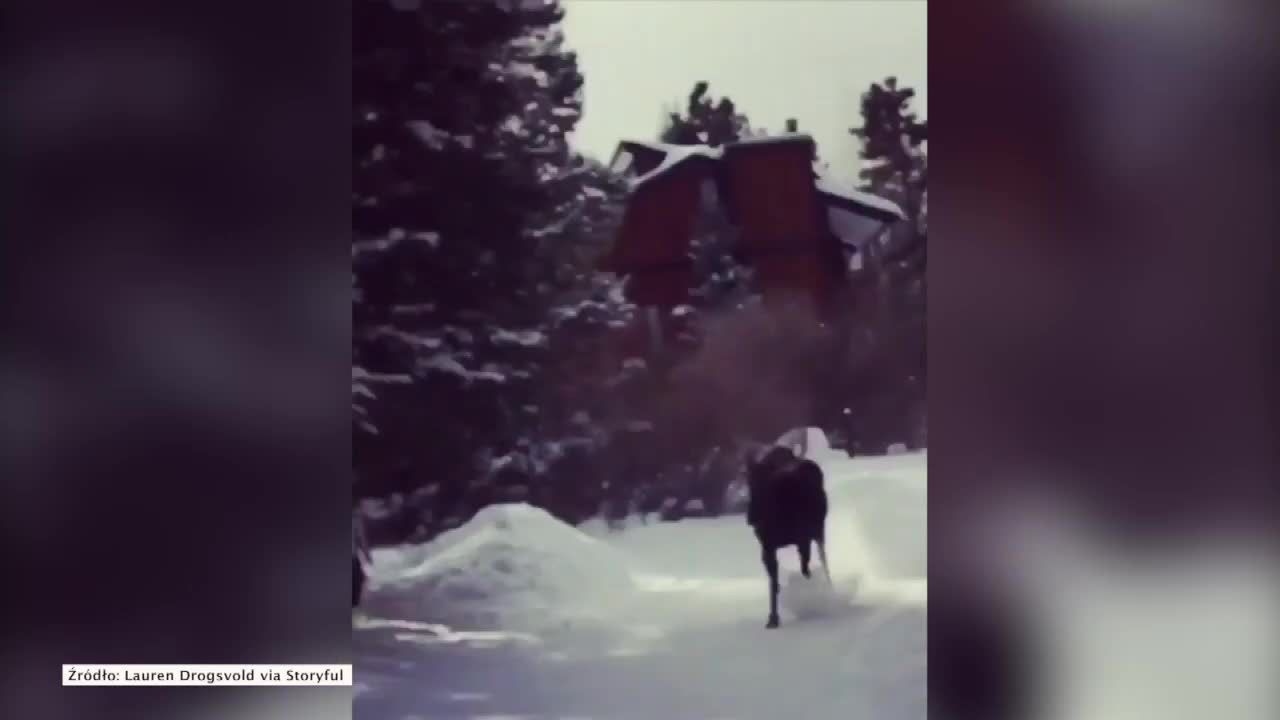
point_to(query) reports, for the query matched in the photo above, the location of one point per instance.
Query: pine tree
(895, 165)
(705, 121)
(472, 227)
(894, 161)
(723, 281)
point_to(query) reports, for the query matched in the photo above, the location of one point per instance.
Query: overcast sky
(808, 59)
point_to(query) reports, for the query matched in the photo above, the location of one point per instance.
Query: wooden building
(796, 228)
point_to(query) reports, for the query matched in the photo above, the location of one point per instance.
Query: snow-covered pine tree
(467, 202)
(572, 410)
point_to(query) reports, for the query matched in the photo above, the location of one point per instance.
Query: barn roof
(853, 215)
(837, 195)
(780, 139)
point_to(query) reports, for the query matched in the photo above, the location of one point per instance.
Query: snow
(521, 69)
(518, 614)
(430, 135)
(408, 338)
(443, 362)
(779, 139)
(430, 238)
(555, 227)
(512, 568)
(811, 598)
(853, 228)
(523, 338)
(359, 374)
(864, 202)
(514, 124)
(814, 442)
(413, 309)
(394, 237)
(673, 155)
(380, 508)
(621, 162)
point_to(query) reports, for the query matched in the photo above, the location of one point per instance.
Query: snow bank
(512, 567)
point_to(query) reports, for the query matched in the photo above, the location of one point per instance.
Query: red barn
(795, 227)
(784, 233)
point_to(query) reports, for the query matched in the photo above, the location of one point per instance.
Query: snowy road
(684, 640)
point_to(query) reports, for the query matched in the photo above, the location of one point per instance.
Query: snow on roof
(672, 156)
(775, 139)
(853, 228)
(847, 207)
(668, 148)
(857, 201)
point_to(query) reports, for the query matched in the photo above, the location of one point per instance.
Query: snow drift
(512, 567)
(812, 443)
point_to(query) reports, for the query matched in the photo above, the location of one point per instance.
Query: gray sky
(808, 59)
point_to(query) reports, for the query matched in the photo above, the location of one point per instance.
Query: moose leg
(804, 546)
(770, 557)
(822, 555)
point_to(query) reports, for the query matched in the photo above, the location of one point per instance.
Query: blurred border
(1103, 311)
(176, 349)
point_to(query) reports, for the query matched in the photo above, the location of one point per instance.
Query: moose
(787, 506)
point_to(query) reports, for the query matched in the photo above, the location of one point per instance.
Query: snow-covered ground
(516, 615)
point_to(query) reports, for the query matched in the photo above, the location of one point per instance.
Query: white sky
(807, 59)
